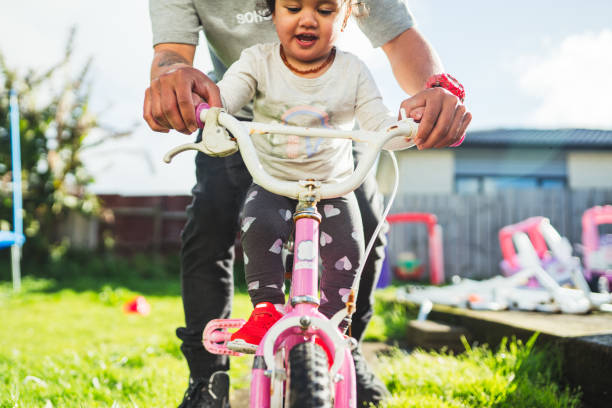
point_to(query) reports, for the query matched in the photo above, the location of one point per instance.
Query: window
(488, 170)
(467, 185)
(552, 183)
(491, 184)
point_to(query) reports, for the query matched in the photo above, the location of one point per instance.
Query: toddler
(302, 80)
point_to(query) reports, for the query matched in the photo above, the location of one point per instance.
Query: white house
(493, 160)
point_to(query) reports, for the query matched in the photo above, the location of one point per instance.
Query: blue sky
(524, 63)
(491, 45)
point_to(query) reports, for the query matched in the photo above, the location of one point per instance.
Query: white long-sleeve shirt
(344, 93)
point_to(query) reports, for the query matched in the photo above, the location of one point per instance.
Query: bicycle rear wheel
(309, 384)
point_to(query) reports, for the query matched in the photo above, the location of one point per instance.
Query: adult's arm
(444, 118)
(176, 87)
(413, 60)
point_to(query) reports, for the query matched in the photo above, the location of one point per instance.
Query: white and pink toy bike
(291, 366)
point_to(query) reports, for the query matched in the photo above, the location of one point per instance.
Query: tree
(55, 120)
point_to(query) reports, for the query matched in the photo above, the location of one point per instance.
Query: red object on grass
(138, 305)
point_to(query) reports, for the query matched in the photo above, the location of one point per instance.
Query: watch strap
(448, 82)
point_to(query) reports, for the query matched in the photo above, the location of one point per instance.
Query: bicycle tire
(309, 384)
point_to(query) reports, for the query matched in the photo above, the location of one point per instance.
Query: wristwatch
(448, 82)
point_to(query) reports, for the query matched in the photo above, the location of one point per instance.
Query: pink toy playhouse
(597, 246)
(434, 234)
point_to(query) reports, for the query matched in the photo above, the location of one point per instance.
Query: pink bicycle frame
(303, 303)
(302, 321)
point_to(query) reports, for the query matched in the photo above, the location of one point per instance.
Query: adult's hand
(176, 88)
(443, 117)
(171, 99)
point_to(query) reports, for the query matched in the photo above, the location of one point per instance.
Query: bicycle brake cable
(355, 286)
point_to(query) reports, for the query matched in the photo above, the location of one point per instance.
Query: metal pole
(17, 202)
(16, 267)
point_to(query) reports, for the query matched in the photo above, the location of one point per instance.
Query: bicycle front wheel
(309, 384)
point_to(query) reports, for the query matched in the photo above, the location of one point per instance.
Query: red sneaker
(248, 337)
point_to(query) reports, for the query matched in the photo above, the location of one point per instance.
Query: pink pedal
(216, 336)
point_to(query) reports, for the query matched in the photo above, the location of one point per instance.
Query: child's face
(307, 29)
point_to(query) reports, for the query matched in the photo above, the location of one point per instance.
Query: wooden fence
(146, 223)
(471, 224)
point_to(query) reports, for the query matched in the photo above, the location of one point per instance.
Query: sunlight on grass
(390, 318)
(514, 376)
(67, 347)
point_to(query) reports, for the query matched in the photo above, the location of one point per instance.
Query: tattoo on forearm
(170, 58)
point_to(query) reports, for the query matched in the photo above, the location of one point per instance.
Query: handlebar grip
(202, 106)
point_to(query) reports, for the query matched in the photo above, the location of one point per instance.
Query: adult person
(207, 239)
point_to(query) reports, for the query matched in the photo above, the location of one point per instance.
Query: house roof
(567, 138)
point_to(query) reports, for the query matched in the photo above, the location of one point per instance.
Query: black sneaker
(210, 392)
(370, 390)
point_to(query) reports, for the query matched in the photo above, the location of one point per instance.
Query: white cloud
(572, 82)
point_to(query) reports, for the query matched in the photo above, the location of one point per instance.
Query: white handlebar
(405, 129)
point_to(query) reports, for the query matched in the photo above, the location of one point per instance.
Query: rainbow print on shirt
(304, 115)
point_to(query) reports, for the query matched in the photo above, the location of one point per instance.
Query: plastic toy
(597, 248)
(434, 233)
(553, 251)
(533, 279)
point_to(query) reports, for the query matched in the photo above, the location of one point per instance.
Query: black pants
(207, 254)
(267, 224)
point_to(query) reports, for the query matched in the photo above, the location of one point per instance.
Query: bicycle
(291, 361)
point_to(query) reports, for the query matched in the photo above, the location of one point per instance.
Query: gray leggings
(267, 223)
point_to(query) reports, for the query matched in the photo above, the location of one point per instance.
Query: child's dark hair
(267, 8)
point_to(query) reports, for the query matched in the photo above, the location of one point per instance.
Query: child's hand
(443, 118)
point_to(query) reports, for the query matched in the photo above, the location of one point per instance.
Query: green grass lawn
(72, 346)
(513, 376)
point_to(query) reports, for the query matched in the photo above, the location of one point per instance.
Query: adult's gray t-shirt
(231, 26)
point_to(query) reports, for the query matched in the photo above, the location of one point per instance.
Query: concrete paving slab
(554, 324)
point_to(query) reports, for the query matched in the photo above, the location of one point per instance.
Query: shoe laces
(264, 319)
(194, 391)
(198, 395)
